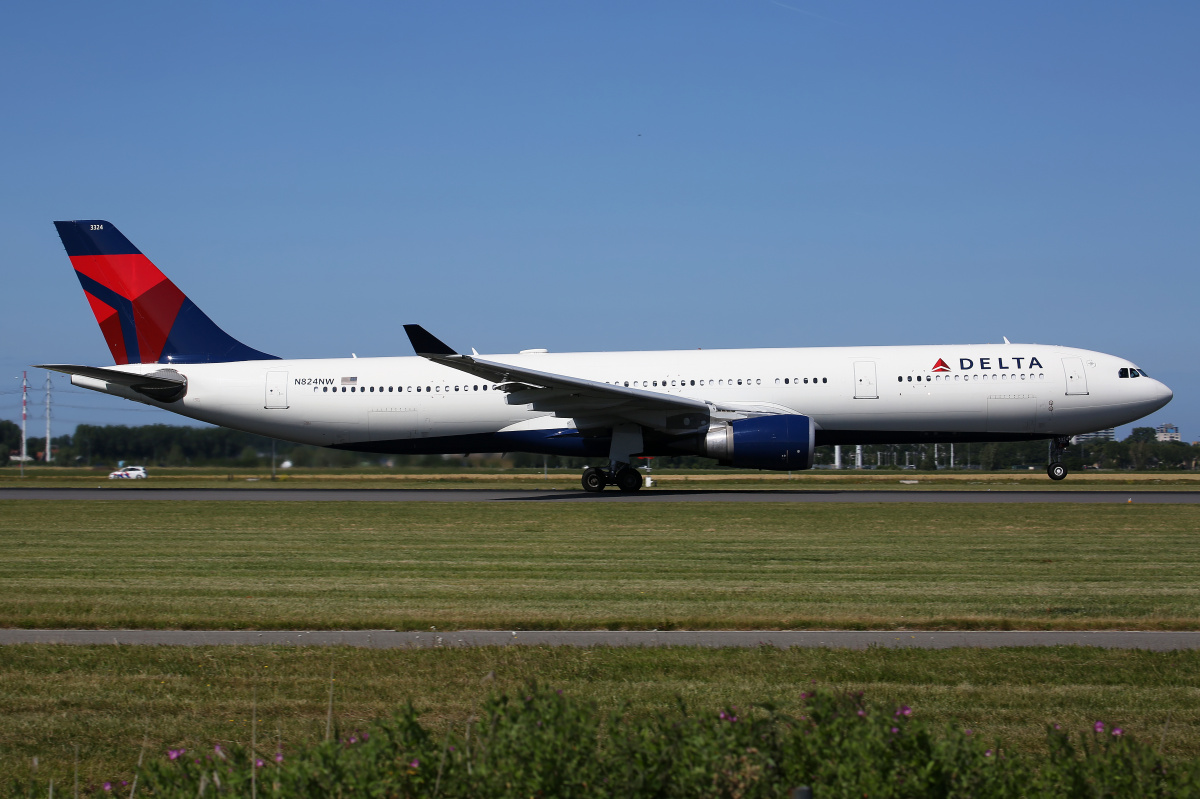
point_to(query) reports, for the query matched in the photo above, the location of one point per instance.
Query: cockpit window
(1142, 372)
(1123, 373)
(1134, 373)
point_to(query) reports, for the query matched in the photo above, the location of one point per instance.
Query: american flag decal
(349, 381)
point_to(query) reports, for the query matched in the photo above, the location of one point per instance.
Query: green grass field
(108, 700)
(568, 479)
(545, 565)
(592, 565)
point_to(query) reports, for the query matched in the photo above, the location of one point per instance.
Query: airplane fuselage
(880, 395)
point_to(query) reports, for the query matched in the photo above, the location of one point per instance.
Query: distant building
(1167, 432)
(1100, 435)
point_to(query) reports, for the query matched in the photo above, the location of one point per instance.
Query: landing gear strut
(627, 478)
(1056, 470)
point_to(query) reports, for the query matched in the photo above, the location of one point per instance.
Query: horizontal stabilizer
(165, 385)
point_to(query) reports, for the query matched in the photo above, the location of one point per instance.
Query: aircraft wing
(589, 402)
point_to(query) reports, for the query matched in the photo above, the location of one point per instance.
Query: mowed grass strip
(547, 565)
(108, 699)
(568, 480)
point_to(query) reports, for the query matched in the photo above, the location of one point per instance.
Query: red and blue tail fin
(144, 317)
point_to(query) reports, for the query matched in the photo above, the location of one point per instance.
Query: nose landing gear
(1056, 470)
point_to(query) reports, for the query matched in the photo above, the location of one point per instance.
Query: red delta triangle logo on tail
(941, 366)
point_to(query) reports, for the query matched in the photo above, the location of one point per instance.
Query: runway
(1104, 497)
(391, 639)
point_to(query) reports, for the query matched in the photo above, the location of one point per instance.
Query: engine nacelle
(783, 442)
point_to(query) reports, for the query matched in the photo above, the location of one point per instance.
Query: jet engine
(783, 442)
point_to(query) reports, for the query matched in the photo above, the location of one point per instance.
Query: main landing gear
(1056, 470)
(626, 442)
(626, 478)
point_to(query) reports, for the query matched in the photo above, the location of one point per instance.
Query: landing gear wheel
(1056, 471)
(594, 480)
(629, 479)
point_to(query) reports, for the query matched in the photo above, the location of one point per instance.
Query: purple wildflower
(895, 730)
(905, 710)
(1058, 726)
(279, 757)
(173, 754)
(353, 739)
(259, 763)
(108, 786)
(1098, 726)
(968, 732)
(988, 753)
(862, 712)
(415, 763)
(1118, 732)
(366, 737)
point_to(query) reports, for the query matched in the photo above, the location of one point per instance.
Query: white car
(129, 473)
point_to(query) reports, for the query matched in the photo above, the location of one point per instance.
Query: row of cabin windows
(969, 378)
(636, 384)
(729, 382)
(1132, 373)
(402, 389)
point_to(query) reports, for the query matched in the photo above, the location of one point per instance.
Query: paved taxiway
(653, 495)
(391, 639)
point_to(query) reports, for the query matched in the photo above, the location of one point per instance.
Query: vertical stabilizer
(144, 317)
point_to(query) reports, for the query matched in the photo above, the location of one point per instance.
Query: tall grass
(539, 742)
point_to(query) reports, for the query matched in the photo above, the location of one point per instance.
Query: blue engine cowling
(783, 442)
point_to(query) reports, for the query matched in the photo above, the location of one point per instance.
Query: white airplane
(750, 408)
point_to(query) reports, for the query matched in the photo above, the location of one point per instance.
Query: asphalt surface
(391, 639)
(948, 496)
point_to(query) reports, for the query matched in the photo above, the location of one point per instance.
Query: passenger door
(864, 380)
(276, 390)
(1076, 379)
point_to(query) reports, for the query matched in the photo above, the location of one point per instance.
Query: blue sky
(588, 175)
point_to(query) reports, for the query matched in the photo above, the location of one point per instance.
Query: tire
(629, 479)
(593, 480)
(1056, 471)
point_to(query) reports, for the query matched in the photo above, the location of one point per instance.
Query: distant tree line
(169, 445)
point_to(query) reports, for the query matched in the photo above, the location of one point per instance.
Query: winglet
(427, 344)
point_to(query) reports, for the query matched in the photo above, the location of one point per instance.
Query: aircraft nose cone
(1161, 395)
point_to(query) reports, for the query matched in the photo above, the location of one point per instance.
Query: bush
(540, 743)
